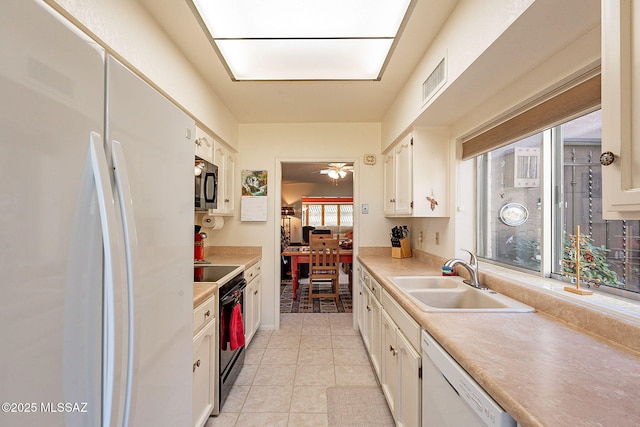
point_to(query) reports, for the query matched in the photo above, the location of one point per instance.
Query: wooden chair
(324, 266)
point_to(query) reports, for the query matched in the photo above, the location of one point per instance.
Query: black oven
(231, 355)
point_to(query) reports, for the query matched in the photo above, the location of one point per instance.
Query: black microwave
(206, 187)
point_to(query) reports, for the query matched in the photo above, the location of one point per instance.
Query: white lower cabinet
(390, 362)
(252, 302)
(374, 313)
(392, 338)
(204, 361)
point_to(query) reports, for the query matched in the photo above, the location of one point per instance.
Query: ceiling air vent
(434, 82)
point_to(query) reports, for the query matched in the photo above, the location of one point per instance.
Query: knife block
(404, 251)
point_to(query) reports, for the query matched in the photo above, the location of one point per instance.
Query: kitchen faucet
(471, 266)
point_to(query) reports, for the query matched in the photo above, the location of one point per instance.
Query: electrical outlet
(437, 237)
(365, 208)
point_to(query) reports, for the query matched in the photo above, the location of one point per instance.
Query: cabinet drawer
(405, 322)
(252, 272)
(375, 288)
(204, 313)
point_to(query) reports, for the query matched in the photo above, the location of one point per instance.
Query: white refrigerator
(96, 234)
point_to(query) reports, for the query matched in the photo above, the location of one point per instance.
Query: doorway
(315, 195)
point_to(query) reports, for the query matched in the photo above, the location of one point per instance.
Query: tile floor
(287, 372)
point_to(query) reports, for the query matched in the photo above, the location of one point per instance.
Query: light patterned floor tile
(262, 420)
(284, 341)
(355, 375)
(280, 356)
(315, 356)
(315, 341)
(315, 375)
(268, 398)
(253, 356)
(350, 356)
(225, 419)
(246, 375)
(310, 399)
(308, 420)
(235, 399)
(275, 375)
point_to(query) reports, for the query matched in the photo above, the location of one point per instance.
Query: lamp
(287, 212)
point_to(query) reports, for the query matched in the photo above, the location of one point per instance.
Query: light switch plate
(365, 208)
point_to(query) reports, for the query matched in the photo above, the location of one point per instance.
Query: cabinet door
(430, 171)
(225, 160)
(359, 297)
(404, 177)
(409, 403)
(257, 304)
(389, 192)
(229, 184)
(375, 334)
(204, 361)
(390, 364)
(248, 311)
(204, 145)
(621, 108)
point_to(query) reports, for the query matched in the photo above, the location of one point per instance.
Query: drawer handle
(196, 365)
(208, 313)
(393, 350)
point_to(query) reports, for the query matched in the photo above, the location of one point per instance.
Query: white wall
(124, 28)
(472, 27)
(263, 147)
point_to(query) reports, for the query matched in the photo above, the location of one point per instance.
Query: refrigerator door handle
(110, 242)
(131, 251)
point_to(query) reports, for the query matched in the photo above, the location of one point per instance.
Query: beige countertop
(542, 370)
(223, 256)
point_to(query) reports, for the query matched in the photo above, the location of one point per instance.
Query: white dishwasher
(450, 397)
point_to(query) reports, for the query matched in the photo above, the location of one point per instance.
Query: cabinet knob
(607, 158)
(256, 292)
(368, 308)
(196, 365)
(208, 313)
(393, 350)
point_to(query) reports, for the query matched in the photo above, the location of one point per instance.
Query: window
(516, 217)
(327, 211)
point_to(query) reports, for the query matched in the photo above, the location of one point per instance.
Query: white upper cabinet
(225, 159)
(204, 145)
(621, 108)
(416, 174)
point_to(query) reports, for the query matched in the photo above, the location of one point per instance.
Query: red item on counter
(236, 329)
(198, 247)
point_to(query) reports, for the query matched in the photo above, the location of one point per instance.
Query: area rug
(357, 406)
(320, 305)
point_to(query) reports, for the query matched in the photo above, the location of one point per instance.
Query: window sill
(608, 316)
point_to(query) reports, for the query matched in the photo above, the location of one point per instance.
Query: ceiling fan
(337, 170)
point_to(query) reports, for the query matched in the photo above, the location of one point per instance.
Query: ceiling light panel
(303, 39)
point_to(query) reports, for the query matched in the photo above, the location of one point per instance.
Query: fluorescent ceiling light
(303, 39)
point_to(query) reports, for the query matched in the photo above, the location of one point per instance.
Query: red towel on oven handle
(236, 330)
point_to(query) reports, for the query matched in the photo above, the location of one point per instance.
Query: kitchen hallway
(287, 372)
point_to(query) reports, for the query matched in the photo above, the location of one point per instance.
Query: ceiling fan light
(333, 174)
(342, 173)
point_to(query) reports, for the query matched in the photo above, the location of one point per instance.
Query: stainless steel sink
(448, 294)
(426, 282)
(214, 273)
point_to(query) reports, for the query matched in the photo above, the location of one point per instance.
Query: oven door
(231, 361)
